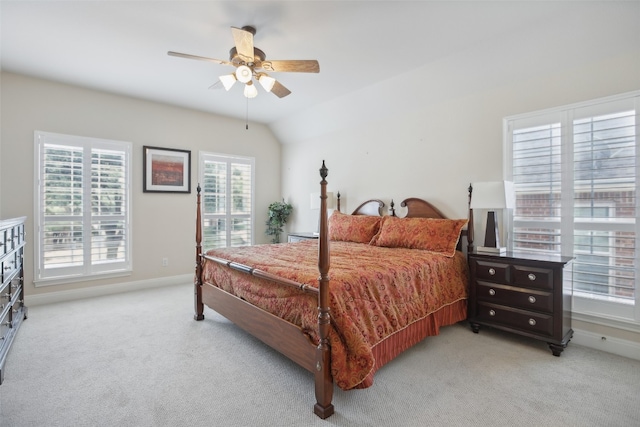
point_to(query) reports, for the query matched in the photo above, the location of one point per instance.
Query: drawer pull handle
(492, 313)
(532, 277)
(492, 271)
(532, 322)
(492, 292)
(532, 299)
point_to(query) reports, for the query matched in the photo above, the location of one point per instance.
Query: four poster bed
(393, 282)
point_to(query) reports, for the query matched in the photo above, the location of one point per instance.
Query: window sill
(616, 322)
(83, 278)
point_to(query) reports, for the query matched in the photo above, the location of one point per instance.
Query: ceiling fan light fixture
(228, 80)
(243, 74)
(250, 90)
(266, 82)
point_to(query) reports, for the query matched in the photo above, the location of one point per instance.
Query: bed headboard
(418, 208)
(370, 207)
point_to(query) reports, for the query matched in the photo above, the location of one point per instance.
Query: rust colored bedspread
(375, 292)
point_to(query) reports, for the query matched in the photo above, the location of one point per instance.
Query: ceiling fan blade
(292, 66)
(279, 90)
(243, 39)
(216, 86)
(200, 58)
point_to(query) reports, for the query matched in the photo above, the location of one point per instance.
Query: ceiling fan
(251, 63)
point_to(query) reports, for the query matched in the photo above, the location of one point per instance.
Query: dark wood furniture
(527, 294)
(12, 309)
(298, 237)
(287, 338)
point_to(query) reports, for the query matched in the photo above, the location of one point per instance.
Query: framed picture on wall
(166, 170)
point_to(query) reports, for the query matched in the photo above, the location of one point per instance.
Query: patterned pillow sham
(353, 228)
(435, 235)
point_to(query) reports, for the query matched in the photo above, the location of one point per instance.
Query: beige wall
(163, 225)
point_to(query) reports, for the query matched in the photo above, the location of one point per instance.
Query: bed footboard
(279, 334)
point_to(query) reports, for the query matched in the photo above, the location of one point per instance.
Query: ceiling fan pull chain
(247, 116)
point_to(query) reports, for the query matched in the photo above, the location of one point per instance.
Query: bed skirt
(392, 346)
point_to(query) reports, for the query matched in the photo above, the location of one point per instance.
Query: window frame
(583, 303)
(88, 269)
(204, 156)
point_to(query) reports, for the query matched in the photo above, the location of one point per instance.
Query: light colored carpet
(139, 359)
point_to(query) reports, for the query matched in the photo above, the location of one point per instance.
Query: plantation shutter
(82, 208)
(227, 207)
(575, 173)
(537, 182)
(604, 183)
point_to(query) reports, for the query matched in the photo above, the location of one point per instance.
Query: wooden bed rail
(262, 274)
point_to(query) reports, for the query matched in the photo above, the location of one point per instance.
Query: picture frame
(166, 170)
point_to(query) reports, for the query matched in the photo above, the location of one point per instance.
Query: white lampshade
(315, 200)
(266, 82)
(243, 74)
(250, 90)
(228, 80)
(493, 195)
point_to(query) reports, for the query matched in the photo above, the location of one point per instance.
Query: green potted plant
(278, 214)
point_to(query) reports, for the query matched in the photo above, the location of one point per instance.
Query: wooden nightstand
(297, 237)
(523, 293)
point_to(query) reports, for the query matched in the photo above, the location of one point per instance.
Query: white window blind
(227, 200)
(575, 173)
(81, 207)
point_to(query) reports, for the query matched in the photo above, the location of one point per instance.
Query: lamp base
(490, 250)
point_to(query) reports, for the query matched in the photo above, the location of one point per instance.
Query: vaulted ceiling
(372, 54)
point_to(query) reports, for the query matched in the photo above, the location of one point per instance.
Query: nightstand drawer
(529, 299)
(533, 277)
(493, 271)
(523, 320)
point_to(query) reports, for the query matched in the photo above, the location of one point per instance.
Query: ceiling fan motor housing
(259, 56)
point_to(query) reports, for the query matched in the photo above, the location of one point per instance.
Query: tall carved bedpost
(470, 224)
(197, 284)
(323, 379)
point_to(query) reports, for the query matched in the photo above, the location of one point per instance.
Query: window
(81, 208)
(227, 200)
(575, 172)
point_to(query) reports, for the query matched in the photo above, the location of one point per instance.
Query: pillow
(353, 228)
(435, 235)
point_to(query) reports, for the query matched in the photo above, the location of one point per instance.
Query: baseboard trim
(613, 345)
(96, 291)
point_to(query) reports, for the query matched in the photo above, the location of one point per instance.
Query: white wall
(163, 225)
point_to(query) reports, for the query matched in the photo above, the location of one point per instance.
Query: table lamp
(492, 196)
